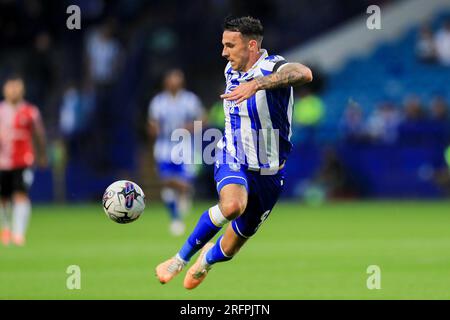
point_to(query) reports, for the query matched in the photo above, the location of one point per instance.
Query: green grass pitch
(301, 252)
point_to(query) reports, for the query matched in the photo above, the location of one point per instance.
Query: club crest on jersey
(232, 87)
(233, 108)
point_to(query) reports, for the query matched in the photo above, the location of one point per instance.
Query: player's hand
(241, 92)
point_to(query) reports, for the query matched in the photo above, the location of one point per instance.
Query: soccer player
(258, 99)
(172, 109)
(20, 124)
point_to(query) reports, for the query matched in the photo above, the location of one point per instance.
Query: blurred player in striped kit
(174, 108)
(20, 125)
(249, 173)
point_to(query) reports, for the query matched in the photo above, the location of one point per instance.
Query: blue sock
(203, 232)
(215, 254)
(173, 209)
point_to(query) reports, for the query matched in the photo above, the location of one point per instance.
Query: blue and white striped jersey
(171, 113)
(258, 130)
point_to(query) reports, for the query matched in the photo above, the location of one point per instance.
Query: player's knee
(232, 208)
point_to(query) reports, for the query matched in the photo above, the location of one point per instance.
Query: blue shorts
(263, 193)
(170, 170)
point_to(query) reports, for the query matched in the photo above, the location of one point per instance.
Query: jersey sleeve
(196, 107)
(35, 116)
(36, 119)
(272, 63)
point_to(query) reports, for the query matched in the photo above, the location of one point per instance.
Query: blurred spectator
(447, 157)
(75, 113)
(442, 174)
(70, 108)
(439, 122)
(442, 40)
(308, 112)
(331, 180)
(439, 109)
(333, 177)
(216, 116)
(413, 107)
(103, 55)
(382, 124)
(104, 63)
(412, 129)
(75, 110)
(425, 45)
(352, 125)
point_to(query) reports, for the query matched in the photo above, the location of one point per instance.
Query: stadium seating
(391, 72)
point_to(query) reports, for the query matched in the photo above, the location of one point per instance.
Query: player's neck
(173, 93)
(253, 59)
(14, 103)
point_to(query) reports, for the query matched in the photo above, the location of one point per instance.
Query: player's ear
(253, 44)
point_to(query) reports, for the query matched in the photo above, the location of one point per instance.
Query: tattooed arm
(290, 74)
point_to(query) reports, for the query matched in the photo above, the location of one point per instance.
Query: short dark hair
(248, 26)
(11, 77)
(14, 77)
(173, 71)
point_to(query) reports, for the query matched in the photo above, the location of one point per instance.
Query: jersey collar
(16, 107)
(264, 55)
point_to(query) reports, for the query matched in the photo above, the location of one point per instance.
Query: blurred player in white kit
(172, 109)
